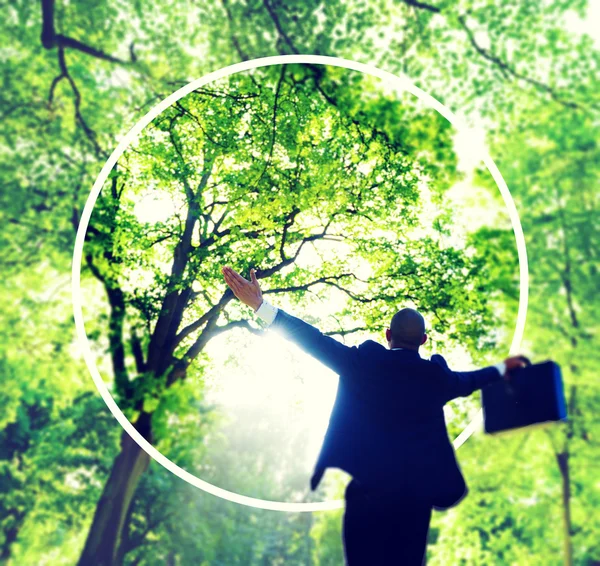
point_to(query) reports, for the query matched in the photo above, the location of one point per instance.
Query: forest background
(350, 200)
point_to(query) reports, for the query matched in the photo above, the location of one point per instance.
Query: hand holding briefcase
(533, 395)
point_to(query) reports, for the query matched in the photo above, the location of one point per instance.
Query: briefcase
(534, 396)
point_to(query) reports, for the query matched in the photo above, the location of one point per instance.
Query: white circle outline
(402, 82)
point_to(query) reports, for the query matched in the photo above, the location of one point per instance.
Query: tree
(258, 168)
(55, 437)
(555, 181)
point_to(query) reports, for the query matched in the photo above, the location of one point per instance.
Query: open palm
(246, 291)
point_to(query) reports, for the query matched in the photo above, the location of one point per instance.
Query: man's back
(387, 426)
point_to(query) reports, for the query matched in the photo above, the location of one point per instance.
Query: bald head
(407, 329)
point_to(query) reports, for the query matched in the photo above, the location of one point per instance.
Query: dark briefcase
(534, 396)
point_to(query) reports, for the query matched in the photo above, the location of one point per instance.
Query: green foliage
(517, 65)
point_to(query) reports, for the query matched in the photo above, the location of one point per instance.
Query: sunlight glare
(270, 373)
(154, 207)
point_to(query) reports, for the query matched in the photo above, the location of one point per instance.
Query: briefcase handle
(508, 385)
(525, 359)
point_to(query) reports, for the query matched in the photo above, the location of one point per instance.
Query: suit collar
(407, 351)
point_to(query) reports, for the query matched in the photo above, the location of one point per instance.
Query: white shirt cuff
(501, 367)
(266, 312)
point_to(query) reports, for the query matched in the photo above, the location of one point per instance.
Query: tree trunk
(563, 464)
(104, 537)
(11, 534)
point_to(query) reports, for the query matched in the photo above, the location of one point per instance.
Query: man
(387, 429)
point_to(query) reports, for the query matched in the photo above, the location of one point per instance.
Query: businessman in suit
(387, 429)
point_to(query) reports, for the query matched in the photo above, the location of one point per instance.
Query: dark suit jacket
(387, 427)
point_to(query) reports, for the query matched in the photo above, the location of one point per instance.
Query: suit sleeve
(340, 358)
(463, 383)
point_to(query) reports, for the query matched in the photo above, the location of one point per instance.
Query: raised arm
(463, 383)
(340, 358)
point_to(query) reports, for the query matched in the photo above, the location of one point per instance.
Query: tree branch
(565, 273)
(180, 367)
(234, 39)
(64, 73)
(171, 313)
(51, 39)
(305, 286)
(422, 5)
(238, 324)
(288, 223)
(273, 127)
(116, 299)
(352, 295)
(225, 298)
(280, 31)
(138, 354)
(505, 68)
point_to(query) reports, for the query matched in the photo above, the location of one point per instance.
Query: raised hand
(246, 291)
